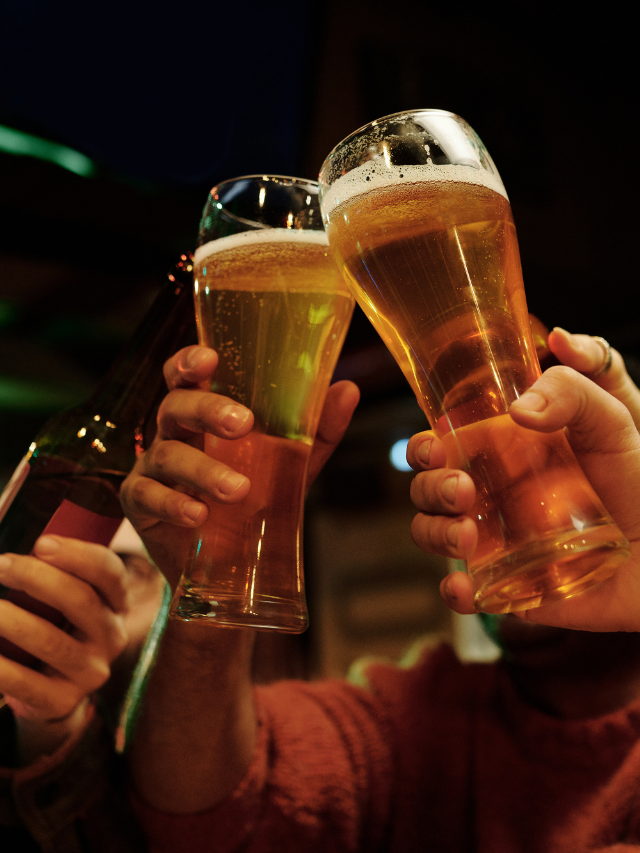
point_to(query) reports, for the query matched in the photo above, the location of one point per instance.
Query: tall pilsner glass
(419, 219)
(271, 301)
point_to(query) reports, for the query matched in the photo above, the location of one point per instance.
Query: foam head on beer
(273, 304)
(418, 218)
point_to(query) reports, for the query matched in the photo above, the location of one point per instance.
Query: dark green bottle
(68, 482)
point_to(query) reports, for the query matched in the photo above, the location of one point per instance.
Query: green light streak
(26, 145)
(17, 395)
(8, 313)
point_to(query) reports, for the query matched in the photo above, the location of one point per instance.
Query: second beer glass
(419, 218)
(271, 301)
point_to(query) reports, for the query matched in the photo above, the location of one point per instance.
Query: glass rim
(395, 116)
(396, 140)
(283, 180)
(235, 206)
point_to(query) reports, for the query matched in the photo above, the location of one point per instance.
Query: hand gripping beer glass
(271, 301)
(419, 219)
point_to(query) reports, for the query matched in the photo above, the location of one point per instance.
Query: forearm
(197, 729)
(40, 737)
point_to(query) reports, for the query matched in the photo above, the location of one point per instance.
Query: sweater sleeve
(320, 780)
(69, 801)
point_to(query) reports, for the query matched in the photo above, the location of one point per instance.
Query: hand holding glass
(272, 303)
(419, 219)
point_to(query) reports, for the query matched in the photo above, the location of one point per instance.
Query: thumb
(190, 367)
(600, 431)
(340, 403)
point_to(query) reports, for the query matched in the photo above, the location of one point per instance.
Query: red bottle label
(68, 520)
(75, 521)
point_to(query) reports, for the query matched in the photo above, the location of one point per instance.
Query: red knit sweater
(441, 757)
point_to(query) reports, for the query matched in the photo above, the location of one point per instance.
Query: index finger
(92, 563)
(190, 367)
(587, 355)
(425, 452)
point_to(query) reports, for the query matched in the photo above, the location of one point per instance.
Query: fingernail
(233, 417)
(197, 356)
(5, 562)
(424, 452)
(451, 597)
(47, 545)
(561, 330)
(448, 489)
(192, 510)
(230, 483)
(452, 534)
(531, 401)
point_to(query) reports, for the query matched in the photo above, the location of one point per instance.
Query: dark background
(167, 101)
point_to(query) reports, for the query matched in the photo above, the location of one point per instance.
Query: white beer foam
(251, 238)
(376, 175)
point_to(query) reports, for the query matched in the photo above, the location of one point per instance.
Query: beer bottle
(68, 482)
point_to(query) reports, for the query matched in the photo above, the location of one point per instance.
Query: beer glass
(272, 303)
(419, 220)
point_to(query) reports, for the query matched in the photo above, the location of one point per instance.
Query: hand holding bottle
(161, 496)
(68, 481)
(87, 583)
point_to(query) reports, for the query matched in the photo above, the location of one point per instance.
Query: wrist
(206, 642)
(37, 737)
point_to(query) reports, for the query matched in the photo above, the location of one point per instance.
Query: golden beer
(437, 271)
(274, 306)
(431, 254)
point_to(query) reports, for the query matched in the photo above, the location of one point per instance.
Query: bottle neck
(135, 381)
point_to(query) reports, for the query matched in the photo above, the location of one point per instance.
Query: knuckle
(29, 695)
(438, 534)
(84, 598)
(99, 672)
(164, 414)
(92, 674)
(118, 638)
(421, 530)
(22, 570)
(423, 489)
(64, 703)
(428, 533)
(170, 367)
(127, 485)
(212, 475)
(224, 484)
(56, 647)
(559, 373)
(169, 507)
(412, 456)
(206, 409)
(136, 493)
(162, 457)
(114, 567)
(416, 490)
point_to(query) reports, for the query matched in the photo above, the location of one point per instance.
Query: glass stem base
(551, 569)
(263, 612)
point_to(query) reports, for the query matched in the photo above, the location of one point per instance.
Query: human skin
(197, 730)
(198, 713)
(603, 434)
(87, 583)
